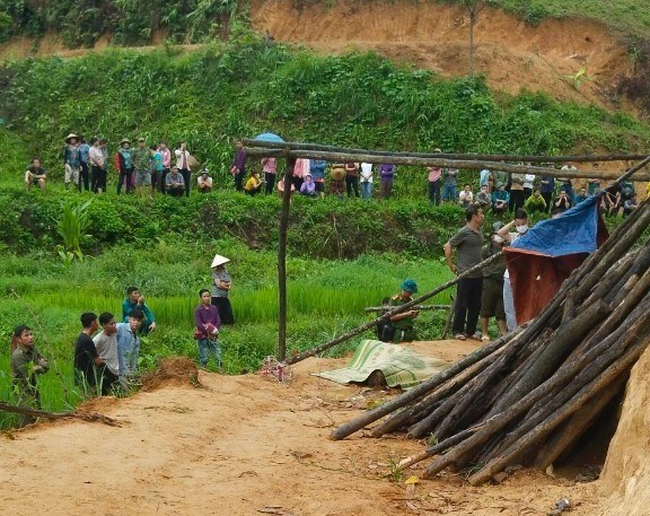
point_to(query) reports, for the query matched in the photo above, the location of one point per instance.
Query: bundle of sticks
(527, 397)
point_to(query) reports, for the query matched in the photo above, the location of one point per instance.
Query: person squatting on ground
(136, 300)
(254, 184)
(468, 243)
(26, 364)
(403, 323)
(174, 183)
(308, 187)
(206, 330)
(35, 175)
(204, 181)
(221, 285)
(492, 294)
(520, 225)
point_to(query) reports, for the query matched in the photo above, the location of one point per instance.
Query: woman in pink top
(269, 166)
(435, 173)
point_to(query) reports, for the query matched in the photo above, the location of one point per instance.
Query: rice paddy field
(326, 298)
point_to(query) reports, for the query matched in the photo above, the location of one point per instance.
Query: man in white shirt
(106, 345)
(366, 180)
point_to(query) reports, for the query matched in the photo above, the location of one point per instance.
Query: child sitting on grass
(206, 331)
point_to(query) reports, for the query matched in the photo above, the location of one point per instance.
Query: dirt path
(241, 445)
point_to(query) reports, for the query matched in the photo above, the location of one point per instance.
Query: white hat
(218, 260)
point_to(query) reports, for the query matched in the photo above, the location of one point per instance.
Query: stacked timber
(526, 398)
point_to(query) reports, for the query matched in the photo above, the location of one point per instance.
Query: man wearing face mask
(520, 225)
(492, 296)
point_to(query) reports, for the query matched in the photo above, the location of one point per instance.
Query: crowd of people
(148, 169)
(107, 350)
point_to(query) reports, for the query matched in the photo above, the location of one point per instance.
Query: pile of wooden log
(526, 398)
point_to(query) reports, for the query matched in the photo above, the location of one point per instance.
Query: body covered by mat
(400, 366)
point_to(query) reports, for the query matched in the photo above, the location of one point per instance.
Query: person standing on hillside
(517, 194)
(166, 156)
(468, 243)
(386, 175)
(269, 167)
(26, 364)
(450, 185)
(156, 168)
(492, 293)
(366, 180)
(206, 329)
(84, 174)
(435, 176)
(97, 165)
(566, 182)
(103, 173)
(128, 344)
(547, 188)
(352, 178)
(142, 165)
(71, 161)
(221, 285)
(124, 165)
(183, 164)
(238, 168)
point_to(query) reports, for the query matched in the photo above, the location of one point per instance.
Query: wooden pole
(282, 260)
(583, 158)
(437, 161)
(416, 307)
(394, 311)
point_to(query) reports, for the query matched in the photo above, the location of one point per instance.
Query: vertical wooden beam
(282, 257)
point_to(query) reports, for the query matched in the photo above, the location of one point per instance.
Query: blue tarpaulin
(545, 256)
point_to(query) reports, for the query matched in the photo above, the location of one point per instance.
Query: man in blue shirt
(84, 177)
(135, 300)
(128, 343)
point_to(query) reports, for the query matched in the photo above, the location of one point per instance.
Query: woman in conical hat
(221, 284)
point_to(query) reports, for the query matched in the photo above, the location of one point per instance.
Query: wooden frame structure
(292, 151)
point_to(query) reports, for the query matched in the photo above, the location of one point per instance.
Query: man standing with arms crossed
(468, 243)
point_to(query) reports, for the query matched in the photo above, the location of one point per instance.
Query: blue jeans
(366, 190)
(449, 193)
(209, 347)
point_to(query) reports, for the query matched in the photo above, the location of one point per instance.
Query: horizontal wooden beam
(437, 161)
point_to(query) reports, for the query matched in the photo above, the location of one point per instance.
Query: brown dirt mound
(626, 475)
(170, 372)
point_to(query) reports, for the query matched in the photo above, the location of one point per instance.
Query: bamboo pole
(582, 158)
(437, 161)
(396, 310)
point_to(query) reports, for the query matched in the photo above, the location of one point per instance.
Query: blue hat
(409, 286)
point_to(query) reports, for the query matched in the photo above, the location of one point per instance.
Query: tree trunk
(282, 261)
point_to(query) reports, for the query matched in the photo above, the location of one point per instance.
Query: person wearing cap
(204, 181)
(35, 175)
(404, 322)
(221, 285)
(124, 165)
(500, 199)
(175, 183)
(71, 160)
(492, 293)
(142, 165)
(468, 243)
(483, 198)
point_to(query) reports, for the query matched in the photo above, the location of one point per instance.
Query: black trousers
(187, 175)
(84, 177)
(270, 183)
(468, 305)
(434, 192)
(124, 174)
(352, 183)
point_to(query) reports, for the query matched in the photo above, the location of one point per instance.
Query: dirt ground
(248, 445)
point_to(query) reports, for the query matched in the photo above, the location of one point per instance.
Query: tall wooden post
(282, 257)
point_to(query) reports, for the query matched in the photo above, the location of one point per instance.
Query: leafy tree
(474, 8)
